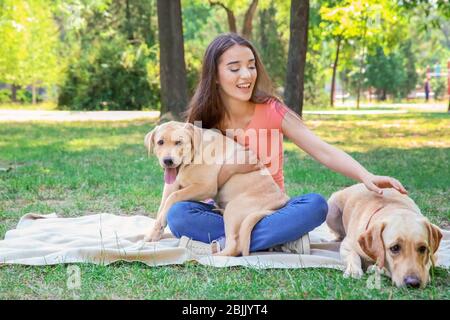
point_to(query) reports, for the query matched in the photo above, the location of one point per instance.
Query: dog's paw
(154, 238)
(353, 271)
(374, 269)
(226, 253)
(155, 235)
(230, 251)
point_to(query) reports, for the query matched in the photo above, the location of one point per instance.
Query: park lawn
(83, 168)
(48, 106)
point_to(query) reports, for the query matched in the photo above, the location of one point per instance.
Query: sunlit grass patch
(365, 133)
(38, 106)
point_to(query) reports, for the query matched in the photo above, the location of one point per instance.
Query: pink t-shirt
(264, 136)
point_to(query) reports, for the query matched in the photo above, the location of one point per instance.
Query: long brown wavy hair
(206, 105)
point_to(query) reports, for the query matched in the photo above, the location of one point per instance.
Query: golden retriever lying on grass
(192, 158)
(388, 229)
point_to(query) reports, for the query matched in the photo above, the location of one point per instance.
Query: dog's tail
(245, 231)
(334, 218)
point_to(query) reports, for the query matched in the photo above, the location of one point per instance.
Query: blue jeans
(198, 221)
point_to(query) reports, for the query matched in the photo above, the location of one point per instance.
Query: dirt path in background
(60, 116)
(11, 115)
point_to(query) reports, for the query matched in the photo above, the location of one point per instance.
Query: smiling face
(236, 74)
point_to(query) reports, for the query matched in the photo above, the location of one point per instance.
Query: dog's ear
(371, 242)
(196, 137)
(149, 142)
(434, 239)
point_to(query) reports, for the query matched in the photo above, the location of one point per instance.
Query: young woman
(235, 92)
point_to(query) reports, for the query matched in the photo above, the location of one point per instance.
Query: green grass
(83, 168)
(46, 106)
(49, 106)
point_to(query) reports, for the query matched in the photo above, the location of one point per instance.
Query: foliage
(392, 73)
(317, 60)
(430, 8)
(110, 65)
(270, 45)
(371, 21)
(29, 38)
(114, 78)
(439, 87)
(384, 72)
(409, 68)
(5, 95)
(200, 20)
(93, 53)
(24, 96)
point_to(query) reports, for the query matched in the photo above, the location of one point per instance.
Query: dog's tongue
(170, 174)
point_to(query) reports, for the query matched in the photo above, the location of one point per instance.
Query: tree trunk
(33, 93)
(361, 66)
(230, 15)
(248, 20)
(298, 46)
(448, 84)
(172, 65)
(128, 22)
(358, 90)
(263, 17)
(14, 89)
(333, 78)
(344, 84)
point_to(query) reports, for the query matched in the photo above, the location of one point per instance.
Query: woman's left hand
(376, 183)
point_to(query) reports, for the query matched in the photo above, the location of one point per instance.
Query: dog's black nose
(168, 161)
(412, 281)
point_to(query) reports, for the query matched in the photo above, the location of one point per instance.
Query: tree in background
(270, 44)
(429, 8)
(107, 51)
(172, 64)
(231, 7)
(385, 73)
(409, 68)
(429, 32)
(336, 32)
(365, 22)
(298, 46)
(392, 72)
(201, 23)
(29, 45)
(317, 60)
(111, 48)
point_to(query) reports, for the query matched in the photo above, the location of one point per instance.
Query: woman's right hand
(244, 165)
(377, 183)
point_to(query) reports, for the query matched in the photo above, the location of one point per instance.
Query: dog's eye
(395, 248)
(422, 249)
(160, 142)
(177, 143)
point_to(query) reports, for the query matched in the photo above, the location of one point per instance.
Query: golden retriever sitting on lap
(192, 158)
(389, 230)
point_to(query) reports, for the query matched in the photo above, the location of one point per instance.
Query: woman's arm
(249, 164)
(334, 158)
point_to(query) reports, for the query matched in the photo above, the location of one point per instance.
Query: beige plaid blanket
(107, 238)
